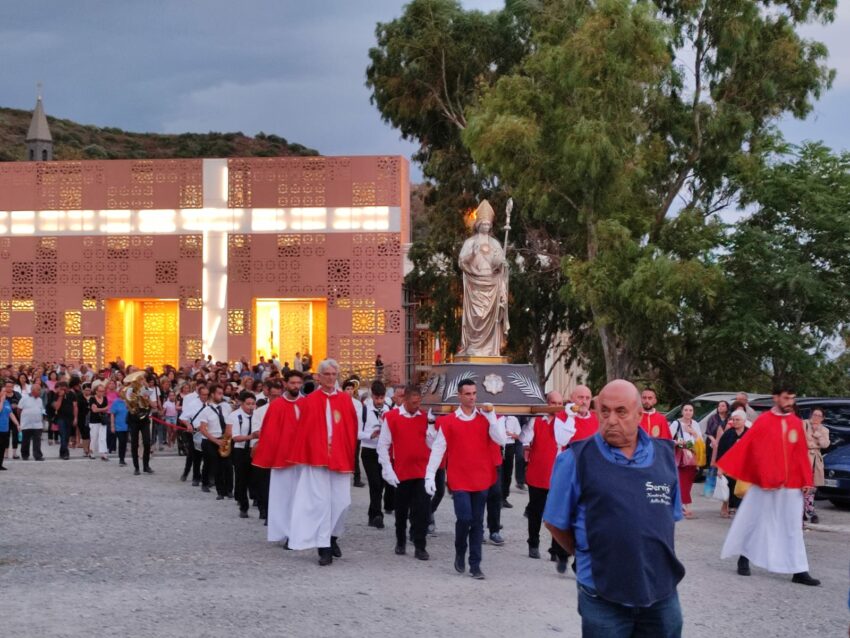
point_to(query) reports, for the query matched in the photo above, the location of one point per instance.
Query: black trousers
(217, 468)
(193, 457)
(439, 493)
(122, 444)
(140, 427)
(412, 500)
(13, 435)
(357, 477)
(379, 489)
(111, 438)
(494, 504)
(241, 458)
(4, 443)
(536, 505)
(33, 436)
(513, 461)
(261, 477)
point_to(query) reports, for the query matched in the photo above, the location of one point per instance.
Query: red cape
(772, 455)
(276, 434)
(655, 425)
(309, 444)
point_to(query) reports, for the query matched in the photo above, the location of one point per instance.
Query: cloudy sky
(291, 67)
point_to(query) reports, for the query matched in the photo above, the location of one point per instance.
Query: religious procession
(606, 475)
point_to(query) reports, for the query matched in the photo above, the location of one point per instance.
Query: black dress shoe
(136, 472)
(359, 484)
(520, 486)
(814, 519)
(205, 489)
(183, 477)
(476, 573)
(506, 505)
(325, 557)
(421, 554)
(562, 566)
(377, 522)
(460, 563)
(195, 483)
(147, 470)
(122, 462)
(219, 497)
(804, 578)
(533, 552)
(400, 550)
(336, 552)
(744, 566)
(243, 514)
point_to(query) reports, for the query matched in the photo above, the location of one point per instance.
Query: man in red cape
(278, 419)
(653, 423)
(773, 457)
(318, 454)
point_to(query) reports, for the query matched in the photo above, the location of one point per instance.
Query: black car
(836, 471)
(836, 416)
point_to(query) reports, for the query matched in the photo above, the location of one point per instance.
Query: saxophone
(226, 446)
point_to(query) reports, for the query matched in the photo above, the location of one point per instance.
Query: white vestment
(307, 505)
(768, 529)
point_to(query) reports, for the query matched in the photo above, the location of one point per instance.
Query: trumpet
(226, 446)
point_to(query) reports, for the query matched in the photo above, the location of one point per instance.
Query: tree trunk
(618, 362)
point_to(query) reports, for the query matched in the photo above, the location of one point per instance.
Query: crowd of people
(289, 442)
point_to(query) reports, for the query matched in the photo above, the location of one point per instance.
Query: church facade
(165, 261)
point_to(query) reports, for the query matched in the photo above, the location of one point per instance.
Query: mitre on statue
(485, 212)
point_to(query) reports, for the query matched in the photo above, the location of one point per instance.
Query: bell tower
(39, 141)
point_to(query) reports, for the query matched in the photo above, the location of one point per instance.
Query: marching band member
(370, 428)
(242, 425)
(217, 435)
(653, 423)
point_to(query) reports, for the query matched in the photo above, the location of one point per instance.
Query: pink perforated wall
(52, 292)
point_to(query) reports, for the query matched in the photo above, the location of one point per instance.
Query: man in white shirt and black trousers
(244, 432)
(213, 426)
(370, 427)
(193, 404)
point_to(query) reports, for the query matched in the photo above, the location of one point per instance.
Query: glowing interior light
(23, 222)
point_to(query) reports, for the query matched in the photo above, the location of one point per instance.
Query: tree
(429, 66)
(787, 311)
(602, 133)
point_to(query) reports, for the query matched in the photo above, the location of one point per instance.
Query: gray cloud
(296, 69)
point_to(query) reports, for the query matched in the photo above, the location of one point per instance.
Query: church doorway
(283, 327)
(143, 332)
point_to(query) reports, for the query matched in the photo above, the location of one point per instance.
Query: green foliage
(788, 301)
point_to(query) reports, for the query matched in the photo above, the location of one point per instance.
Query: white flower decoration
(493, 383)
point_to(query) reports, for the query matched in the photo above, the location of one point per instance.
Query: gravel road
(86, 548)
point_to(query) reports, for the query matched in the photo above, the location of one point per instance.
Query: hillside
(80, 141)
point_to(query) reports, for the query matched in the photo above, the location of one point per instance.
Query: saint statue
(485, 289)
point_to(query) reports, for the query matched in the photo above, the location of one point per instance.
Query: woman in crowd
(6, 416)
(737, 428)
(23, 386)
(111, 396)
(817, 438)
(686, 435)
(99, 420)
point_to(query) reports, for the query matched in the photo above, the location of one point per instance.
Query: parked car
(836, 416)
(706, 404)
(836, 471)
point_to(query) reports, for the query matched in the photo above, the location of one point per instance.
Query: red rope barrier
(170, 425)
